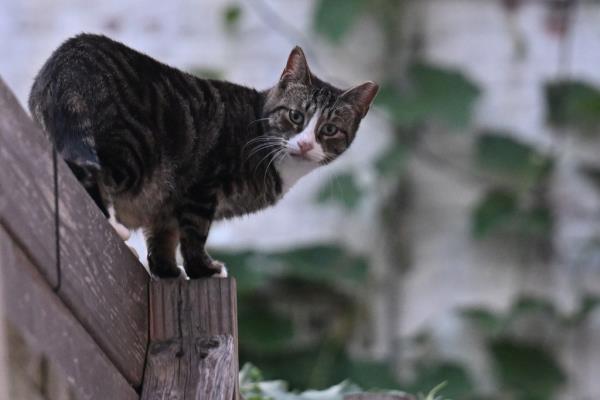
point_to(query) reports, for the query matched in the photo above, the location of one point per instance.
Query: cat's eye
(296, 117)
(329, 130)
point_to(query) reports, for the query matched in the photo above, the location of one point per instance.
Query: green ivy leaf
(537, 222)
(296, 366)
(341, 189)
(485, 320)
(499, 210)
(436, 93)
(449, 91)
(371, 375)
(532, 305)
(459, 383)
(231, 16)
(526, 370)
(324, 264)
(588, 304)
(573, 103)
(497, 152)
(334, 18)
(262, 330)
(393, 160)
(493, 211)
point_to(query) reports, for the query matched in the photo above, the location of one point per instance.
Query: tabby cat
(170, 152)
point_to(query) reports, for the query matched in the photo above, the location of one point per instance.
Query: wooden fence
(81, 297)
(78, 295)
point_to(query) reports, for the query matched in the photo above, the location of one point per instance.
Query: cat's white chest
(291, 169)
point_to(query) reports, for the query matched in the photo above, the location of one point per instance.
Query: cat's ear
(361, 96)
(296, 68)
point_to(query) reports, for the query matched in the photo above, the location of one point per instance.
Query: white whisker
(264, 158)
(276, 156)
(261, 143)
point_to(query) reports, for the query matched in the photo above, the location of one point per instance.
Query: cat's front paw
(162, 268)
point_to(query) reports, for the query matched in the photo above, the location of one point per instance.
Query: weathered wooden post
(193, 341)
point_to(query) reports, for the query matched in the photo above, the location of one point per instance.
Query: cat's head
(313, 121)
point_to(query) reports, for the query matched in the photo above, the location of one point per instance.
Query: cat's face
(312, 121)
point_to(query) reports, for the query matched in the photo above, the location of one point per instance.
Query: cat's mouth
(301, 157)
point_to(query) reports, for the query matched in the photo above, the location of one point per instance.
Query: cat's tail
(64, 117)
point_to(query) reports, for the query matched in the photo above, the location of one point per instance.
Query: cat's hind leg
(161, 241)
(87, 174)
(195, 218)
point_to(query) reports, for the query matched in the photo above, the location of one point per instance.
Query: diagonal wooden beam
(48, 326)
(98, 278)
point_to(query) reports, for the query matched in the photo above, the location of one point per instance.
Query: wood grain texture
(201, 368)
(48, 325)
(100, 280)
(26, 207)
(193, 334)
(201, 307)
(33, 376)
(3, 342)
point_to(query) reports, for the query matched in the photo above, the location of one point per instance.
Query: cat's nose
(305, 147)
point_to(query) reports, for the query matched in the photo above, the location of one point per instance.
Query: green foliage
(393, 160)
(533, 305)
(497, 152)
(495, 324)
(231, 16)
(334, 18)
(341, 189)
(263, 330)
(458, 383)
(500, 211)
(433, 394)
(369, 374)
(496, 209)
(573, 103)
(433, 92)
(484, 320)
(526, 370)
(323, 365)
(268, 336)
(325, 264)
(253, 387)
(588, 304)
(522, 168)
(322, 264)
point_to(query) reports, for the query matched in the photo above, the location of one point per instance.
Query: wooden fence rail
(98, 278)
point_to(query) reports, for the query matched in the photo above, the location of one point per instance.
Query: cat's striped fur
(172, 152)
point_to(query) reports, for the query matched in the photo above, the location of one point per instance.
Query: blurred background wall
(458, 240)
